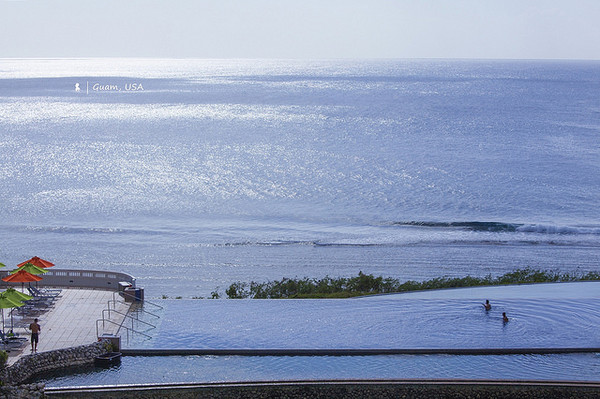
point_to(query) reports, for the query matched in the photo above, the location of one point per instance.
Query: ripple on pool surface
(550, 315)
(380, 322)
(140, 370)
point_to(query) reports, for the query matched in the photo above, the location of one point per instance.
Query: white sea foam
(552, 229)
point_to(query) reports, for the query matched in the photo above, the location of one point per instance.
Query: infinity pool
(541, 316)
(548, 315)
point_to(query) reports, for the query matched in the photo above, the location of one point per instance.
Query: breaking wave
(505, 227)
(551, 229)
(269, 233)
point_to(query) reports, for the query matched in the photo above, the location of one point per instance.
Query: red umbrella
(21, 277)
(37, 262)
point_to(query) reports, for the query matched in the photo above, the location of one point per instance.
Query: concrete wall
(78, 278)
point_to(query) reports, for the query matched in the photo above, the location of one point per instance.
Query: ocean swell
(505, 227)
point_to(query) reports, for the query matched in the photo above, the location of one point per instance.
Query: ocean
(193, 174)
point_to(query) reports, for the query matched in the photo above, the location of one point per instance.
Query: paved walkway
(71, 321)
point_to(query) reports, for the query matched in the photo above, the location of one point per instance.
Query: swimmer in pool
(487, 305)
(504, 317)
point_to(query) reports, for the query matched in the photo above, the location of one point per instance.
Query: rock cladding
(31, 365)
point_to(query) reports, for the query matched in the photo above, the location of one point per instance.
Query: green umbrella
(16, 296)
(5, 303)
(2, 265)
(30, 268)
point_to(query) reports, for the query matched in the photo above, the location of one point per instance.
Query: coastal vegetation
(367, 284)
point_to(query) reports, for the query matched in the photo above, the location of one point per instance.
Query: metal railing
(134, 299)
(127, 329)
(128, 315)
(125, 317)
(138, 309)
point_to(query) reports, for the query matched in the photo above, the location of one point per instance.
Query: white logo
(103, 87)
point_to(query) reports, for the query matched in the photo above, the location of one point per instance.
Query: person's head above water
(487, 305)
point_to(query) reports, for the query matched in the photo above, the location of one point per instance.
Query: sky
(303, 29)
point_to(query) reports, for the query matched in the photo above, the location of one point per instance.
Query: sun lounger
(12, 338)
(36, 293)
(11, 343)
(49, 291)
(10, 347)
(29, 310)
(42, 303)
(37, 306)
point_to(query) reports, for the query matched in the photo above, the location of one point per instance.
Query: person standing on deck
(35, 334)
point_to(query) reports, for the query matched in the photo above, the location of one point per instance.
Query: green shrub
(3, 358)
(366, 284)
(109, 346)
(238, 290)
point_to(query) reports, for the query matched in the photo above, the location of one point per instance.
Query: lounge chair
(49, 291)
(32, 308)
(12, 338)
(9, 343)
(25, 311)
(39, 303)
(47, 294)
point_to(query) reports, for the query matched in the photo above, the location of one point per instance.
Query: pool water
(171, 369)
(545, 316)
(541, 316)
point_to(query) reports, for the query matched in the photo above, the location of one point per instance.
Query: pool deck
(70, 322)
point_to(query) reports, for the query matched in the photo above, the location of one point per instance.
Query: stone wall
(345, 390)
(31, 391)
(30, 365)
